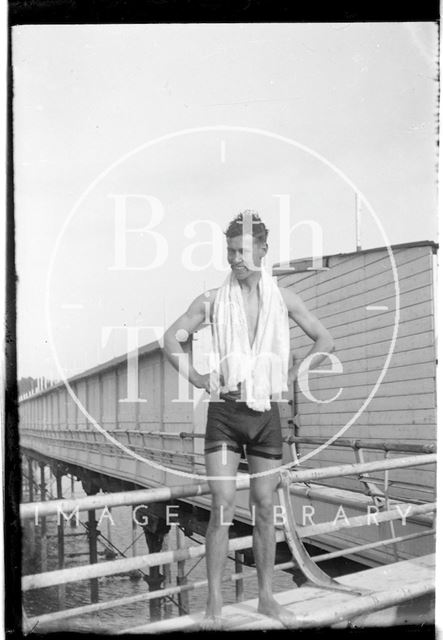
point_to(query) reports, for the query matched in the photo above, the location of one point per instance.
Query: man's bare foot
(276, 611)
(213, 616)
(211, 623)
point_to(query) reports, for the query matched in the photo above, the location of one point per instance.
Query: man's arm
(185, 325)
(323, 341)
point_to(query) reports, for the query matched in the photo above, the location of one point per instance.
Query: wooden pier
(322, 601)
(390, 591)
(131, 453)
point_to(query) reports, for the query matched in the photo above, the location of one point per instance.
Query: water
(41, 601)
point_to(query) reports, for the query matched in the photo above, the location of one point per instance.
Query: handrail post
(388, 506)
(372, 489)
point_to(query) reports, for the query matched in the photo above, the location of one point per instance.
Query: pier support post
(30, 481)
(239, 586)
(72, 521)
(134, 575)
(183, 598)
(167, 581)
(60, 541)
(91, 488)
(43, 531)
(155, 531)
(29, 528)
(155, 578)
(92, 539)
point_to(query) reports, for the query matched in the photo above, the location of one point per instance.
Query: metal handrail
(160, 494)
(358, 468)
(63, 576)
(316, 492)
(159, 593)
(361, 443)
(165, 494)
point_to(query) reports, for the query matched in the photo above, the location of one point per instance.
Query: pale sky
(363, 96)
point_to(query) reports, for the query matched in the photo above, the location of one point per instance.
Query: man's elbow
(168, 341)
(329, 344)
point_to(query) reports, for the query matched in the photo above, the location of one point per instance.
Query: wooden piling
(168, 579)
(43, 531)
(239, 586)
(183, 597)
(154, 531)
(30, 481)
(60, 543)
(72, 521)
(30, 530)
(134, 575)
(92, 539)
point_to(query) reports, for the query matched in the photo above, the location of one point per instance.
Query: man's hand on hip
(202, 381)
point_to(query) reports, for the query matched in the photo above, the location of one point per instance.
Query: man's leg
(262, 501)
(219, 463)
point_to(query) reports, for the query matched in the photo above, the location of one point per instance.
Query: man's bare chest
(251, 304)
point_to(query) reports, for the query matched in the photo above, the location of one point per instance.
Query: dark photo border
(39, 12)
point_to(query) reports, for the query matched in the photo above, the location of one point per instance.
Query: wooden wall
(101, 394)
(403, 407)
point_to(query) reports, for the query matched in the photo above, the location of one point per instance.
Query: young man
(249, 319)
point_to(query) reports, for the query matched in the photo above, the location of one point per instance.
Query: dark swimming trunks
(233, 424)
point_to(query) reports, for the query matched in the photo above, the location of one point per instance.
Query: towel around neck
(263, 368)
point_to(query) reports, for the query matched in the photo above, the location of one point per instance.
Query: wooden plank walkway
(388, 587)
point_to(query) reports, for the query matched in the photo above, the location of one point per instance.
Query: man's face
(244, 253)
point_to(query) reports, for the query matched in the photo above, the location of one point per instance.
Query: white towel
(264, 367)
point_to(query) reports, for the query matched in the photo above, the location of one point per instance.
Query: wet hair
(235, 228)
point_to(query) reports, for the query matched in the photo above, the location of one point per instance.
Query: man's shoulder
(209, 294)
(289, 296)
(283, 292)
(205, 297)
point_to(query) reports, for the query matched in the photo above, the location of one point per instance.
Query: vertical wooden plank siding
(177, 414)
(403, 406)
(126, 410)
(71, 410)
(63, 408)
(109, 407)
(150, 411)
(94, 393)
(81, 395)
